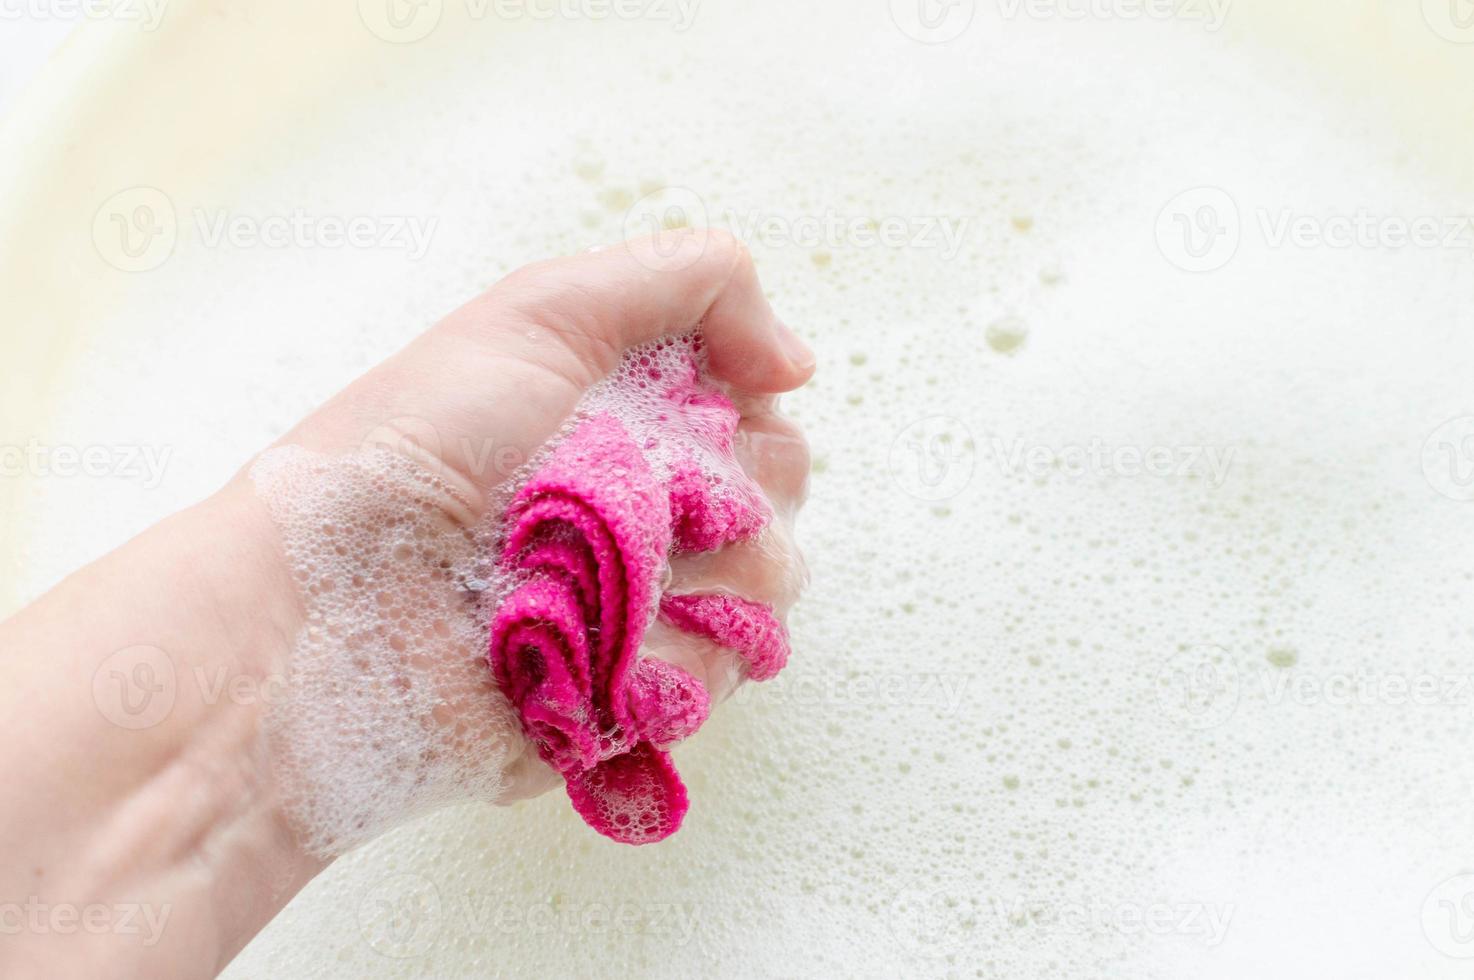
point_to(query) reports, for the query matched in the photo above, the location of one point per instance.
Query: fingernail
(799, 354)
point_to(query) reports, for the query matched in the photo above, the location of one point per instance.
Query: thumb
(578, 314)
(478, 393)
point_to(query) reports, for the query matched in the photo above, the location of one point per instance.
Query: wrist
(135, 694)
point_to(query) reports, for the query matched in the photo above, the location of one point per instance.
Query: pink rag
(587, 540)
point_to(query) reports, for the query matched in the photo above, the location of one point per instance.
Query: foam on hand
(390, 712)
(394, 710)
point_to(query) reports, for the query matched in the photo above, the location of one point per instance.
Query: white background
(26, 42)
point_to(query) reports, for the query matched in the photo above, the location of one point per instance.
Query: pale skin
(187, 814)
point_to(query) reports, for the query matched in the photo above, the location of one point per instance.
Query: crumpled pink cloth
(587, 541)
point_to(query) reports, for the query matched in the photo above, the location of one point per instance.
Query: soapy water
(1069, 697)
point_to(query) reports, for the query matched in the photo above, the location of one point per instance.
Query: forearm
(144, 835)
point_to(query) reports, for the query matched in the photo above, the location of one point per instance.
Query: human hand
(393, 638)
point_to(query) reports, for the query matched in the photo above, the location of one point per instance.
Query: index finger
(587, 309)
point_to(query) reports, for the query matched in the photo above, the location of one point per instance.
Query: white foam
(391, 710)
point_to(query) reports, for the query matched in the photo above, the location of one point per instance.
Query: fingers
(472, 399)
(771, 449)
(768, 569)
(584, 310)
(526, 777)
(718, 669)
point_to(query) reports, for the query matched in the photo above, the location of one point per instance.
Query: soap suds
(391, 711)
